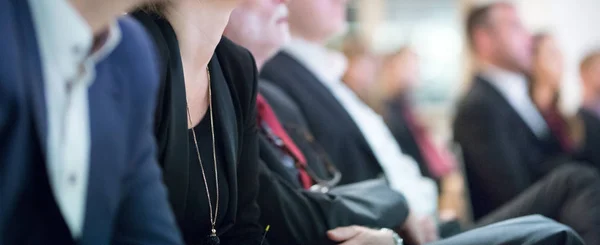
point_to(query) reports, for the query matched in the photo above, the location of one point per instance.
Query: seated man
(508, 146)
(296, 214)
(354, 137)
(77, 155)
(301, 216)
(360, 144)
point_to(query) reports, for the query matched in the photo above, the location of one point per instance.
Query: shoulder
(136, 44)
(235, 57)
(276, 68)
(136, 56)
(239, 69)
(135, 62)
(478, 102)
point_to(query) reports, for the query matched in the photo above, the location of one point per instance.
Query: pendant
(213, 239)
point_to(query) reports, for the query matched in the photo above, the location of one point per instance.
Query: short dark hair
(479, 17)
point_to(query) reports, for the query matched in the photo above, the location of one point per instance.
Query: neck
(299, 35)
(99, 14)
(259, 61)
(199, 27)
(590, 97)
(543, 95)
(486, 62)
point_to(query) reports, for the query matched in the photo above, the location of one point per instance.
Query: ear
(482, 40)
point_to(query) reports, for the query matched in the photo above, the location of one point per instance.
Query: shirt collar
(328, 65)
(512, 85)
(66, 37)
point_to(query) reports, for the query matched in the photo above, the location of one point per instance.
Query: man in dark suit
(354, 137)
(77, 91)
(509, 152)
(296, 213)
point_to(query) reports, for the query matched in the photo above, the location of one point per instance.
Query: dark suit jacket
(331, 125)
(502, 155)
(590, 153)
(126, 200)
(303, 217)
(235, 105)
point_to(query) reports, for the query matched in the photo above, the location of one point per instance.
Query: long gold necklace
(212, 239)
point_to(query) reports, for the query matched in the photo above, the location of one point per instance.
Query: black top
(234, 87)
(333, 128)
(502, 155)
(196, 222)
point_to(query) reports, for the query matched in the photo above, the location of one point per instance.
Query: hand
(429, 229)
(358, 235)
(417, 231)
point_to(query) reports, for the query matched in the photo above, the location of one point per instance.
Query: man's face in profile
(512, 43)
(260, 25)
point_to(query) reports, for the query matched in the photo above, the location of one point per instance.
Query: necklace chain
(213, 216)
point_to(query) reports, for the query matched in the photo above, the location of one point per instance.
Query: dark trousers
(570, 195)
(529, 230)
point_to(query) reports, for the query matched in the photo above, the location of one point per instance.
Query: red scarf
(266, 115)
(439, 161)
(560, 129)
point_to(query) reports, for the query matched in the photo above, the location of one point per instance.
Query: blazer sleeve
(482, 134)
(144, 215)
(300, 217)
(247, 230)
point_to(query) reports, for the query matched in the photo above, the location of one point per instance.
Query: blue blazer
(126, 200)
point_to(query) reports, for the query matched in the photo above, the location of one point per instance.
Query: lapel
(108, 148)
(314, 85)
(227, 120)
(329, 105)
(176, 162)
(489, 89)
(32, 71)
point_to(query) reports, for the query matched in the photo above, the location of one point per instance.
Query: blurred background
(433, 29)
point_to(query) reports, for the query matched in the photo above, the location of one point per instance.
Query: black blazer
(331, 125)
(303, 217)
(235, 105)
(502, 156)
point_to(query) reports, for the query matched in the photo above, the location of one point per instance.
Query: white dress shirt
(514, 88)
(401, 170)
(65, 41)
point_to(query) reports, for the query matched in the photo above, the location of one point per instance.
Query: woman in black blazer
(206, 122)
